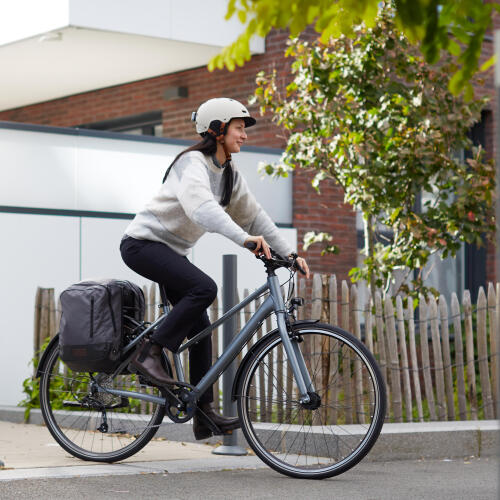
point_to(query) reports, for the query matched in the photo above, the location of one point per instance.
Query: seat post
(164, 300)
(176, 356)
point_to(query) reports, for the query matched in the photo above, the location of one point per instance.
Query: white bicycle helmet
(223, 110)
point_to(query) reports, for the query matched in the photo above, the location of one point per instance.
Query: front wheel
(92, 425)
(334, 431)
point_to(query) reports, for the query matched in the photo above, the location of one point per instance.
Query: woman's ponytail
(228, 181)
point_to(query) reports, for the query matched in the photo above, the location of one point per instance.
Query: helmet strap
(226, 152)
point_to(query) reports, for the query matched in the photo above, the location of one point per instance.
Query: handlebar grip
(252, 246)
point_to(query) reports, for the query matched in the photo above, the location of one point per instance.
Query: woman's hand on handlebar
(302, 264)
(261, 246)
(258, 246)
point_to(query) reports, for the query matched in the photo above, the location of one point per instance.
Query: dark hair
(208, 146)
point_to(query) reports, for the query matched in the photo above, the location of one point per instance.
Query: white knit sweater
(188, 204)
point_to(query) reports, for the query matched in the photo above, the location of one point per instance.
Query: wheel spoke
(81, 430)
(307, 441)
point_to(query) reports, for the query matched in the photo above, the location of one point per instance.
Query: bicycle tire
(77, 428)
(312, 443)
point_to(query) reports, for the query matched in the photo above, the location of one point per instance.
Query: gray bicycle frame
(274, 302)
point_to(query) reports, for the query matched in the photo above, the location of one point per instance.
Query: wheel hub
(314, 401)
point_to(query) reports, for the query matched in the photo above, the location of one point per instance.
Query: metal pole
(229, 288)
(497, 147)
(497, 204)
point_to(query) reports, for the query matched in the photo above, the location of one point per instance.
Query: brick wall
(325, 212)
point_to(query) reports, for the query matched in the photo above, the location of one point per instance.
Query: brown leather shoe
(201, 427)
(147, 361)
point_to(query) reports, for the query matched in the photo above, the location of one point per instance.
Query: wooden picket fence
(439, 361)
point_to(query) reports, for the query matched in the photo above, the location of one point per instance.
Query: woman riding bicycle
(201, 191)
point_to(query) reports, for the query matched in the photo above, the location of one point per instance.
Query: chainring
(177, 410)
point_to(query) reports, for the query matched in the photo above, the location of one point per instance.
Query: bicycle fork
(294, 354)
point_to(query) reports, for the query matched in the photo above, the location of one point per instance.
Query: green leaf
(231, 8)
(456, 83)
(312, 13)
(489, 63)
(395, 214)
(242, 16)
(454, 48)
(423, 21)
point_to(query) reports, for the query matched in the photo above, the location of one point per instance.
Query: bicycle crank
(180, 405)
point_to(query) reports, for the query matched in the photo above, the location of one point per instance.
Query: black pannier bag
(93, 324)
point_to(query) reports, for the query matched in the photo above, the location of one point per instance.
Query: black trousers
(188, 289)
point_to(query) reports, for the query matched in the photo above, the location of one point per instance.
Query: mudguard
(255, 347)
(41, 364)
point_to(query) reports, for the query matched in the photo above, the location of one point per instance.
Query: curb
(427, 440)
(404, 441)
(124, 469)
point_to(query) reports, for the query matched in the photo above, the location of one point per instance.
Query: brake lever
(296, 265)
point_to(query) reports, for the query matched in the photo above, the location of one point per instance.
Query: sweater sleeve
(247, 212)
(213, 219)
(262, 224)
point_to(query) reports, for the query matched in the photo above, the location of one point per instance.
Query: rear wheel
(92, 425)
(341, 423)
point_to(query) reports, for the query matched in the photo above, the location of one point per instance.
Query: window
(143, 124)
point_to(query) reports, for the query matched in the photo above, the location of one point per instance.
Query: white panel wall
(119, 176)
(48, 170)
(37, 170)
(275, 195)
(35, 251)
(63, 171)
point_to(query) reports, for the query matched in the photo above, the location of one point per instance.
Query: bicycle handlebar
(277, 258)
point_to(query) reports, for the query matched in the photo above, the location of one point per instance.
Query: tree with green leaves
(455, 26)
(369, 113)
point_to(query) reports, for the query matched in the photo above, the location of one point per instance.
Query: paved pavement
(28, 451)
(409, 479)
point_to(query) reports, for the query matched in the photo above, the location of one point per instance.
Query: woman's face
(236, 135)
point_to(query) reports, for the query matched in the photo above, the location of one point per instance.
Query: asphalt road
(430, 479)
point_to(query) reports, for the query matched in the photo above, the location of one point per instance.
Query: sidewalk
(28, 450)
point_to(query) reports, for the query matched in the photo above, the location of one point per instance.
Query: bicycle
(318, 423)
